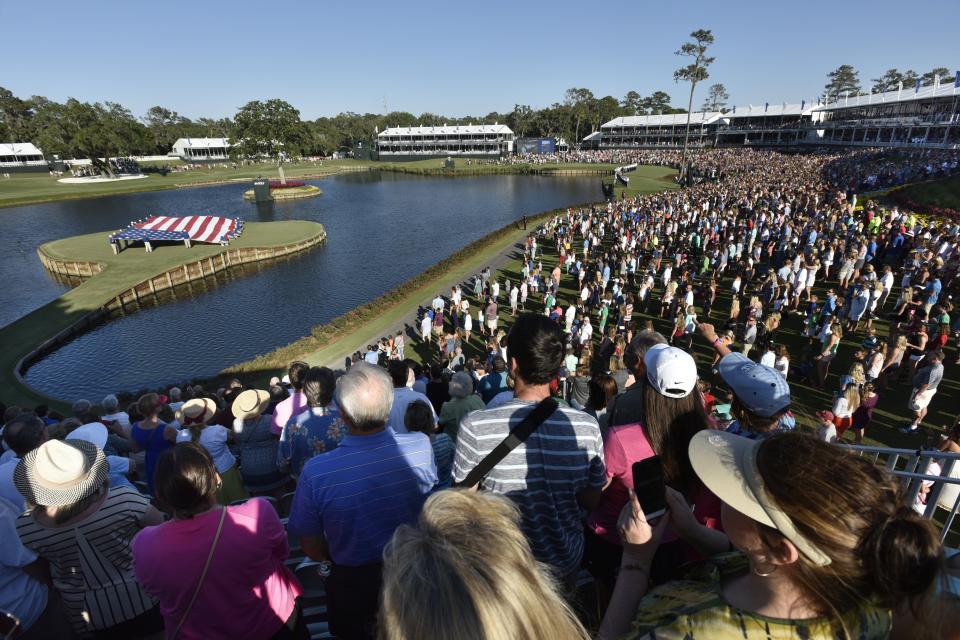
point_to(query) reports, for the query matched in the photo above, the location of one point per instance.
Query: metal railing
(911, 467)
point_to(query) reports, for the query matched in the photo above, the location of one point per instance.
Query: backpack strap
(520, 433)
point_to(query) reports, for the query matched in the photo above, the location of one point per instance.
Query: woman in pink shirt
(240, 589)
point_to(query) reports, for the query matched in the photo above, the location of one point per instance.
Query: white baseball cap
(672, 372)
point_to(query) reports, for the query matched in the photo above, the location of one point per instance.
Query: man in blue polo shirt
(350, 500)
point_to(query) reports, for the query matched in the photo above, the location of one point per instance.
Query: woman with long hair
(830, 340)
(673, 412)
(891, 366)
(818, 553)
(844, 406)
(466, 572)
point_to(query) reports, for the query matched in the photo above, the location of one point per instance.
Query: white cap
(94, 432)
(672, 372)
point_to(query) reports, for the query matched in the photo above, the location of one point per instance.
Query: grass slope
(120, 273)
(940, 193)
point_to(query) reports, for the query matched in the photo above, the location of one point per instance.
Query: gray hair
(175, 393)
(365, 397)
(641, 343)
(110, 402)
(80, 407)
(461, 385)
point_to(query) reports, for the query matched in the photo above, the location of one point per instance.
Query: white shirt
(120, 418)
(402, 398)
(213, 438)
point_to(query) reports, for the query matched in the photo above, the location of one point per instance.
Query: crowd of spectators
(175, 511)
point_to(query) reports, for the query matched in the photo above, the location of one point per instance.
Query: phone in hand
(650, 487)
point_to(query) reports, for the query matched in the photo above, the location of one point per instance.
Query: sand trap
(99, 179)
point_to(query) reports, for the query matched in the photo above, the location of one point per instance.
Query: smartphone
(649, 486)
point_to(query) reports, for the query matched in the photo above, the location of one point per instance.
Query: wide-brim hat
(727, 465)
(250, 403)
(60, 473)
(196, 411)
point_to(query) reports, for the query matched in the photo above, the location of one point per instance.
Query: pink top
(622, 446)
(292, 406)
(248, 591)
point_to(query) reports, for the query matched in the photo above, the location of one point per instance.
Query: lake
(383, 228)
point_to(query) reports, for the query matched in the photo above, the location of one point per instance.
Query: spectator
(83, 529)
(318, 429)
(112, 413)
(403, 394)
(256, 444)
(462, 401)
(806, 566)
(349, 501)
(603, 389)
(150, 434)
(296, 403)
(567, 448)
(465, 554)
(195, 415)
(827, 430)
(22, 434)
(217, 571)
(437, 388)
(419, 419)
(495, 382)
(627, 408)
(925, 384)
(117, 466)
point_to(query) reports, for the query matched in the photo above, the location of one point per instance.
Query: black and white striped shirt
(91, 562)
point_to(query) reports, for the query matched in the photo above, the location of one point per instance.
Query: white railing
(911, 467)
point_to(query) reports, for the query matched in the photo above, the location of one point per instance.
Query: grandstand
(21, 156)
(928, 117)
(201, 149)
(768, 124)
(659, 130)
(465, 141)
(924, 117)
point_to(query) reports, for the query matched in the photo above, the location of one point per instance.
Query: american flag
(195, 228)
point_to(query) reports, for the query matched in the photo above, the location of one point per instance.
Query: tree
(694, 73)
(607, 109)
(657, 102)
(887, 82)
(579, 101)
(842, 80)
(166, 127)
(267, 129)
(15, 117)
(631, 103)
(929, 77)
(520, 119)
(717, 97)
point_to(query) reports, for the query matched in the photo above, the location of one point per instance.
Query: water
(383, 228)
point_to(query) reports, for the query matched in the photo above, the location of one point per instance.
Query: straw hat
(250, 403)
(60, 473)
(196, 411)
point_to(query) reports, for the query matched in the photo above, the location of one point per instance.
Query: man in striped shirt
(559, 469)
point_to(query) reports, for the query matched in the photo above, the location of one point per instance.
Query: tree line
(845, 81)
(76, 129)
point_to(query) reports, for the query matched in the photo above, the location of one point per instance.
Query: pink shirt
(292, 406)
(248, 591)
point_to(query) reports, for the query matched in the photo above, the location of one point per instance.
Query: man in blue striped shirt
(350, 500)
(559, 469)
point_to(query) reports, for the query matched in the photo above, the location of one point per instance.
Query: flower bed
(276, 184)
(904, 200)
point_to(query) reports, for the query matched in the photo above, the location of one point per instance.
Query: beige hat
(727, 465)
(250, 403)
(60, 473)
(196, 411)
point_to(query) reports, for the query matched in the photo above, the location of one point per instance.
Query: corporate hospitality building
(919, 117)
(460, 141)
(21, 156)
(201, 149)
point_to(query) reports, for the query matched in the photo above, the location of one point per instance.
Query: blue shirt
(315, 431)
(359, 493)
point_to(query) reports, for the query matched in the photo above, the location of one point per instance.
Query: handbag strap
(203, 575)
(528, 425)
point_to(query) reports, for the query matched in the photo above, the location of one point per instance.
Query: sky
(207, 58)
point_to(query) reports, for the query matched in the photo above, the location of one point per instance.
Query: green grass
(940, 193)
(27, 188)
(120, 273)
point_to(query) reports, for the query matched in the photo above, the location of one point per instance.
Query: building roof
(19, 149)
(897, 95)
(201, 143)
(769, 109)
(446, 129)
(672, 119)
(593, 136)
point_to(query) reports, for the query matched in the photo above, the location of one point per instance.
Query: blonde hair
(466, 572)
(856, 372)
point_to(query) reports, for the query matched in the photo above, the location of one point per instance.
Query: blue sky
(208, 58)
